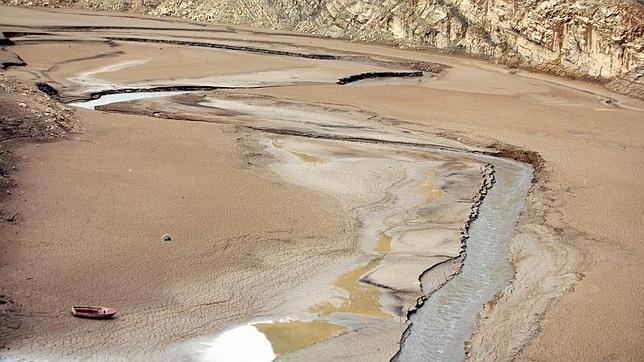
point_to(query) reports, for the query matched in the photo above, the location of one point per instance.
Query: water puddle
(362, 299)
(265, 341)
(122, 97)
(290, 336)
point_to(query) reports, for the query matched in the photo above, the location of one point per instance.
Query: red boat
(93, 312)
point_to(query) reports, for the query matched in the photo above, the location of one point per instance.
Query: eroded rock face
(631, 83)
(601, 38)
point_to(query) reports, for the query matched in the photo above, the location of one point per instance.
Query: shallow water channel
(443, 324)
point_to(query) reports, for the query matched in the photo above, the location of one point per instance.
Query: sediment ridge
(371, 75)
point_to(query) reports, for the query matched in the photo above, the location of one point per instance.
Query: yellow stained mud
(363, 298)
(290, 336)
(383, 246)
(308, 158)
(430, 190)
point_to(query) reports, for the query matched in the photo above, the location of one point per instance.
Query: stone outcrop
(631, 83)
(602, 39)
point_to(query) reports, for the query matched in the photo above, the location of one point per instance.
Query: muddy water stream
(442, 325)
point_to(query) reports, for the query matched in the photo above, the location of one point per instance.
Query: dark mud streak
(16, 34)
(72, 28)
(16, 62)
(170, 88)
(51, 91)
(40, 41)
(47, 89)
(240, 48)
(423, 66)
(371, 75)
(4, 39)
(91, 57)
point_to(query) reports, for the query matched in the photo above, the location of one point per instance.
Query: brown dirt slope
(27, 115)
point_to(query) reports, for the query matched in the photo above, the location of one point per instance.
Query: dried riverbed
(423, 220)
(412, 207)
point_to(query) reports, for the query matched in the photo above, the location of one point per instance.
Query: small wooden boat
(93, 312)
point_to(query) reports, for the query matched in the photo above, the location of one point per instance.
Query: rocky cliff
(601, 39)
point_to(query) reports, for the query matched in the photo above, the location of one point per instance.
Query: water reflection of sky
(245, 343)
(122, 97)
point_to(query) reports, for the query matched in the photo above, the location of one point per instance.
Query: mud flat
(412, 224)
